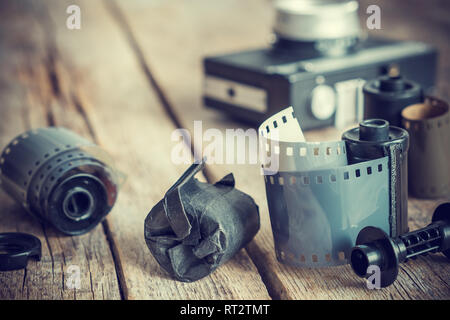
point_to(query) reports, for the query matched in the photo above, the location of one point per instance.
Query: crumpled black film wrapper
(198, 226)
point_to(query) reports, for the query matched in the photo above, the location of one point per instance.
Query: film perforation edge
(351, 172)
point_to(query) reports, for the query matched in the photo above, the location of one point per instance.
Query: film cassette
(319, 198)
(385, 98)
(429, 156)
(375, 138)
(60, 178)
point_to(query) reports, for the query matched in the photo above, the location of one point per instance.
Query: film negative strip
(319, 197)
(60, 178)
(286, 150)
(428, 125)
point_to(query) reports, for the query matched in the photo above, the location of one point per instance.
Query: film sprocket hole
(318, 64)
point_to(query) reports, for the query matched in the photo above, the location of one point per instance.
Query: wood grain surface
(126, 80)
(203, 28)
(98, 89)
(29, 94)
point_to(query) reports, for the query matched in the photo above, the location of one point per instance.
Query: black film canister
(60, 178)
(386, 97)
(373, 139)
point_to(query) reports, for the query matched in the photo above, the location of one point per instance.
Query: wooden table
(126, 80)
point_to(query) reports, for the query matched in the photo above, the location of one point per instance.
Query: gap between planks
(62, 73)
(48, 90)
(54, 78)
(273, 284)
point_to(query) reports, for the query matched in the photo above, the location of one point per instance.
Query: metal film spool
(59, 177)
(331, 25)
(317, 202)
(429, 155)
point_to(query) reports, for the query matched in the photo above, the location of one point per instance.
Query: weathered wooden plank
(174, 51)
(105, 88)
(25, 93)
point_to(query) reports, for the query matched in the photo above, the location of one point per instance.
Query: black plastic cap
(375, 248)
(392, 83)
(442, 213)
(16, 249)
(374, 130)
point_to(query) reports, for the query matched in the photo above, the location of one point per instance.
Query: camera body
(314, 69)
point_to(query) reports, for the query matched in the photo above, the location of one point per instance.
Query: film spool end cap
(392, 83)
(374, 130)
(442, 213)
(374, 247)
(78, 204)
(363, 256)
(16, 248)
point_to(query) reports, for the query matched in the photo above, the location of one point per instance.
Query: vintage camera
(318, 64)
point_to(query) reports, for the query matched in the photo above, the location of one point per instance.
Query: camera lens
(316, 20)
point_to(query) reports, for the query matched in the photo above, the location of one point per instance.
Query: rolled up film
(60, 178)
(429, 155)
(198, 226)
(317, 201)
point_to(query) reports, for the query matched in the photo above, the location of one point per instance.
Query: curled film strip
(428, 125)
(60, 177)
(318, 202)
